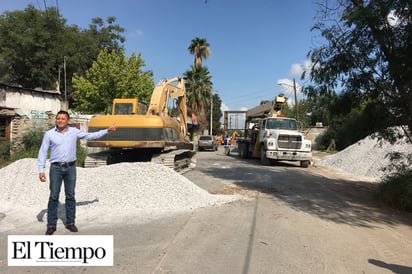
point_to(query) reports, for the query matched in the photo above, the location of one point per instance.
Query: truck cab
(272, 137)
(279, 139)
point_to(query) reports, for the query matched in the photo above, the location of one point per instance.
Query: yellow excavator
(158, 135)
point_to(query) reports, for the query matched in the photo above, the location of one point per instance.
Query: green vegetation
(396, 190)
(364, 65)
(199, 88)
(112, 75)
(4, 154)
(38, 46)
(199, 47)
(362, 78)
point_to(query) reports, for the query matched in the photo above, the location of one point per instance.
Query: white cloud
(136, 33)
(223, 107)
(296, 70)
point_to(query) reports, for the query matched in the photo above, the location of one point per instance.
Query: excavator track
(96, 159)
(180, 160)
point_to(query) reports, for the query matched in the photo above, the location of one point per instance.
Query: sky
(254, 45)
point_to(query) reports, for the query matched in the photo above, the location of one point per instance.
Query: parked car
(207, 142)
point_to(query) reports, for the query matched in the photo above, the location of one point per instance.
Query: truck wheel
(263, 160)
(304, 164)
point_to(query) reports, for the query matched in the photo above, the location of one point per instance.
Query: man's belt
(63, 164)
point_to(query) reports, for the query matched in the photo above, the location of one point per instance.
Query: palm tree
(199, 47)
(198, 90)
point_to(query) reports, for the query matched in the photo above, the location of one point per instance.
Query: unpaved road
(294, 220)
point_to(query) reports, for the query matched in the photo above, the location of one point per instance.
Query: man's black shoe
(50, 230)
(72, 228)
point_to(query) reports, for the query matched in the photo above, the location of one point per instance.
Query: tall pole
(65, 92)
(296, 99)
(211, 113)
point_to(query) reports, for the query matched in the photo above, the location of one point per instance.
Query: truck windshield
(281, 123)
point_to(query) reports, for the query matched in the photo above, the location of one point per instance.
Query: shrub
(31, 142)
(32, 139)
(81, 154)
(5, 151)
(396, 189)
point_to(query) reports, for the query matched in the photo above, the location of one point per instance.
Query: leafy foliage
(199, 47)
(396, 190)
(38, 49)
(4, 151)
(367, 62)
(31, 47)
(112, 75)
(199, 91)
(31, 141)
(366, 58)
(360, 121)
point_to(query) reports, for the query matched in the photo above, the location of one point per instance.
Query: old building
(22, 109)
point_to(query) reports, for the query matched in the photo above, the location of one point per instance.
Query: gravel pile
(365, 158)
(109, 193)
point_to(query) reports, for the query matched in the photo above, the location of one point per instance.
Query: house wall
(27, 109)
(32, 103)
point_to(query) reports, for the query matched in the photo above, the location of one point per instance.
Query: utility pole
(65, 92)
(211, 113)
(296, 99)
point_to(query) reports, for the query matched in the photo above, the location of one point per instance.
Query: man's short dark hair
(64, 112)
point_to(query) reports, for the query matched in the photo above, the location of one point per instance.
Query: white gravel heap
(366, 157)
(144, 191)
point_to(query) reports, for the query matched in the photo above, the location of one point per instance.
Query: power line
(57, 7)
(38, 4)
(246, 99)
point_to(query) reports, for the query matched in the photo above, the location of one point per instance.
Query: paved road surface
(293, 220)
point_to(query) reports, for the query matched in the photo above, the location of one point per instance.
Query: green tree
(31, 46)
(321, 104)
(199, 92)
(199, 47)
(84, 46)
(107, 35)
(37, 48)
(112, 75)
(367, 58)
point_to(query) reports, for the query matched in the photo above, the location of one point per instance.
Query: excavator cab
(123, 106)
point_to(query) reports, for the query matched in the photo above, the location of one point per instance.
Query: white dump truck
(272, 137)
